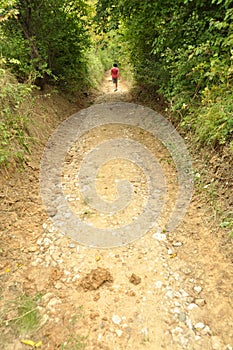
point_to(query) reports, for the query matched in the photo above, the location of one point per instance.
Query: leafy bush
(182, 51)
(13, 124)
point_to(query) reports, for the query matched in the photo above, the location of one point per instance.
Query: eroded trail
(162, 291)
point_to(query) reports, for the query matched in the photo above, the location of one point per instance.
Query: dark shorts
(114, 80)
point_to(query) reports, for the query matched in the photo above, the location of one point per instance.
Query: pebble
(71, 245)
(177, 244)
(200, 302)
(119, 332)
(53, 302)
(116, 319)
(186, 270)
(159, 236)
(199, 325)
(176, 310)
(182, 317)
(197, 289)
(189, 323)
(158, 284)
(145, 332)
(192, 306)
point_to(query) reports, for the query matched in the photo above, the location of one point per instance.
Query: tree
(47, 37)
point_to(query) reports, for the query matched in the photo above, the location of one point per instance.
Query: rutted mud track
(180, 295)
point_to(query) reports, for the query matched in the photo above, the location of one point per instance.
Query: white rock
(158, 284)
(169, 294)
(207, 330)
(119, 332)
(47, 241)
(176, 310)
(116, 319)
(145, 332)
(192, 306)
(199, 325)
(159, 236)
(197, 289)
(189, 323)
(53, 302)
(71, 245)
(177, 244)
(169, 252)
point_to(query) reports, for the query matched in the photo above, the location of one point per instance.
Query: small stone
(71, 245)
(39, 241)
(229, 347)
(200, 302)
(186, 270)
(199, 325)
(135, 279)
(53, 302)
(159, 236)
(169, 251)
(177, 244)
(158, 284)
(176, 310)
(131, 293)
(189, 323)
(58, 285)
(197, 289)
(116, 319)
(145, 332)
(47, 241)
(96, 297)
(170, 294)
(119, 332)
(182, 317)
(206, 330)
(192, 306)
(94, 315)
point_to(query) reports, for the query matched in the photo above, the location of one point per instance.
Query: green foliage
(74, 343)
(28, 316)
(47, 39)
(13, 123)
(182, 51)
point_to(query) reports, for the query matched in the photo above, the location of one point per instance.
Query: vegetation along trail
(116, 230)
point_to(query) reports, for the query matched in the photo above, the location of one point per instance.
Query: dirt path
(164, 291)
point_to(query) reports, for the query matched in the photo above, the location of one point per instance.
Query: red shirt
(115, 72)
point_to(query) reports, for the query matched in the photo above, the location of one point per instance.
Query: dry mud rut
(163, 291)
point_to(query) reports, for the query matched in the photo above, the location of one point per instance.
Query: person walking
(115, 75)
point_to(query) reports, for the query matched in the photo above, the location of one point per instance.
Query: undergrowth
(20, 317)
(14, 139)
